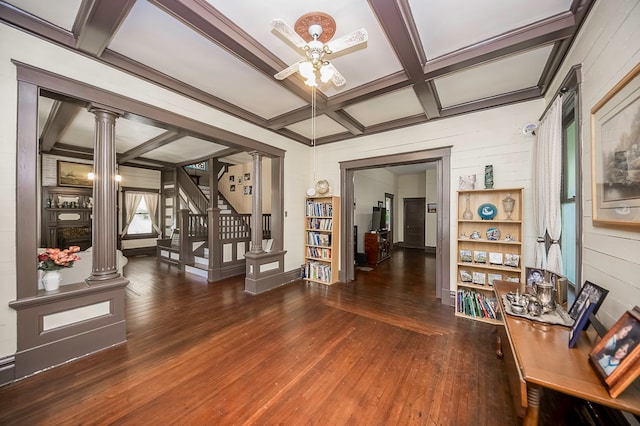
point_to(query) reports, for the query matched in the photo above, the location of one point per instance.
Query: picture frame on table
(615, 157)
(593, 292)
(74, 174)
(580, 322)
(534, 275)
(616, 357)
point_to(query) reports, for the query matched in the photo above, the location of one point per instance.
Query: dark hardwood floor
(379, 350)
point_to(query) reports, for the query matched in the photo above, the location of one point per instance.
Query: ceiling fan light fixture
(306, 69)
(311, 81)
(326, 72)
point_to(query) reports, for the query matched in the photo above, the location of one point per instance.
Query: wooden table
(542, 358)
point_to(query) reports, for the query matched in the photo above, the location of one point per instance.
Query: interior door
(414, 218)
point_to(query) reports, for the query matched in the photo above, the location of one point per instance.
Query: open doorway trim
(443, 253)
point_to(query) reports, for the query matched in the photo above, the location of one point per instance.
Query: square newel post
(186, 251)
(213, 237)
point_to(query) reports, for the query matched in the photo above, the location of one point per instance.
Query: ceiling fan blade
(349, 40)
(287, 71)
(287, 32)
(336, 78)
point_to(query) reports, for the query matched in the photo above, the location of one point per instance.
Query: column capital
(256, 155)
(94, 107)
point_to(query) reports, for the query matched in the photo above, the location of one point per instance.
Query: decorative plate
(487, 211)
(493, 234)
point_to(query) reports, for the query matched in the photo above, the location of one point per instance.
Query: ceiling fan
(312, 34)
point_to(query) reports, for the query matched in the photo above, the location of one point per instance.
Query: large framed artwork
(74, 174)
(615, 154)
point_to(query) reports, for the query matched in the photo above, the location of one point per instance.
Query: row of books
(319, 253)
(323, 224)
(477, 305)
(319, 209)
(317, 271)
(494, 258)
(316, 239)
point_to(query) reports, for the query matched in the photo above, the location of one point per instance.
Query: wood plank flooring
(379, 350)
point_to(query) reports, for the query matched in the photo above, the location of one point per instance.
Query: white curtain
(131, 201)
(152, 206)
(547, 181)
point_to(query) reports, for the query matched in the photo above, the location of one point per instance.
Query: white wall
(369, 187)
(608, 48)
(16, 45)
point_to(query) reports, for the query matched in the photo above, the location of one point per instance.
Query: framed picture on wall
(615, 155)
(232, 188)
(247, 176)
(74, 174)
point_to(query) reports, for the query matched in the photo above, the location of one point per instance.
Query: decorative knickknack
(488, 177)
(467, 215)
(51, 261)
(508, 204)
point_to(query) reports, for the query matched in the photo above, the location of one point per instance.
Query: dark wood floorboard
(379, 350)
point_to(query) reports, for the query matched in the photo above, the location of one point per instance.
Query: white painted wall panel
(608, 47)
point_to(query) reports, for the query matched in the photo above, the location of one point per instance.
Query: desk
(543, 359)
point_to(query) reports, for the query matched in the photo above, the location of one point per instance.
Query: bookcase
(377, 247)
(322, 239)
(489, 248)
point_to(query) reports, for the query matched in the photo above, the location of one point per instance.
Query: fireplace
(74, 236)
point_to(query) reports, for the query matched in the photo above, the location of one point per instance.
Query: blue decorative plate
(493, 234)
(487, 211)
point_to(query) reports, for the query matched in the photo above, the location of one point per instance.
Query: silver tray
(559, 316)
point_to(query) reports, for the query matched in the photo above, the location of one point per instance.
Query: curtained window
(140, 214)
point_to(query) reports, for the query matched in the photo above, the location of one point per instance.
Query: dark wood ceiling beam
(346, 121)
(496, 101)
(391, 16)
(60, 117)
(209, 22)
(97, 22)
(544, 32)
(219, 154)
(155, 143)
(20, 19)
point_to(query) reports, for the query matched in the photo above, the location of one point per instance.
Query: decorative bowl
(517, 308)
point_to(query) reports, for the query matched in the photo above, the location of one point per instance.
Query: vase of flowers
(51, 261)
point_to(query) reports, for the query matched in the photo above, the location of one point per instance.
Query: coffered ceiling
(424, 60)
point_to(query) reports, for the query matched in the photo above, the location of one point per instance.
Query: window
(140, 214)
(571, 199)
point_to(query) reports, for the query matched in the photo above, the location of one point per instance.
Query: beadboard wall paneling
(608, 47)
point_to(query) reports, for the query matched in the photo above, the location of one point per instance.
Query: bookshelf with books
(322, 239)
(489, 248)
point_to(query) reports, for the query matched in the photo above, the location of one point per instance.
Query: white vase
(51, 280)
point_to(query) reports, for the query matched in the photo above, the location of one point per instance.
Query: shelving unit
(322, 239)
(377, 247)
(482, 260)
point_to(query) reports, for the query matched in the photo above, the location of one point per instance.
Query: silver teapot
(545, 294)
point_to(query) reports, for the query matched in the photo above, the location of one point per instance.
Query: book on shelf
(317, 271)
(315, 208)
(476, 304)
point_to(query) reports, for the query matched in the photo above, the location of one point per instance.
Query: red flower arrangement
(54, 259)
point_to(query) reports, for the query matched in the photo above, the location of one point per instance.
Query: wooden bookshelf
(493, 253)
(322, 239)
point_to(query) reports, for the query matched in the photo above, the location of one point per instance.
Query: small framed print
(465, 256)
(588, 292)
(479, 278)
(495, 258)
(232, 188)
(232, 178)
(480, 256)
(247, 176)
(580, 323)
(491, 278)
(465, 276)
(512, 260)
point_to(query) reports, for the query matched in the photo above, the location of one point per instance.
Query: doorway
(442, 158)
(414, 219)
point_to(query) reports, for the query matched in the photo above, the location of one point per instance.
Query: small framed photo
(534, 275)
(479, 278)
(580, 322)
(493, 277)
(616, 358)
(239, 180)
(247, 176)
(594, 293)
(232, 178)
(248, 190)
(432, 208)
(512, 260)
(232, 188)
(495, 258)
(465, 255)
(465, 276)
